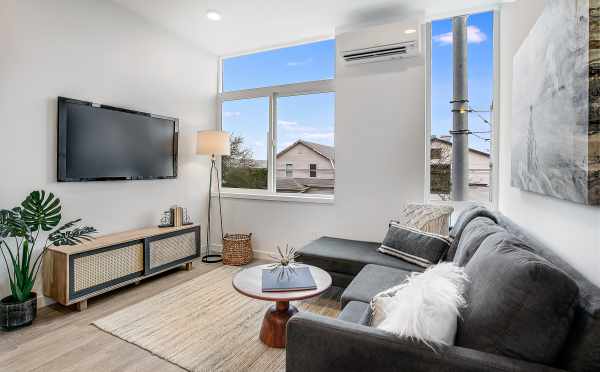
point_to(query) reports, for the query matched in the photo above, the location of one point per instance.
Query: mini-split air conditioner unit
(381, 43)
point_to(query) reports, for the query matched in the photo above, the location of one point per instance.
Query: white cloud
(300, 63)
(231, 114)
(287, 124)
(293, 126)
(474, 36)
(318, 136)
(293, 130)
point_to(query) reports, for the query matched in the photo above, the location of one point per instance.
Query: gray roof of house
(290, 184)
(324, 150)
(443, 140)
(303, 184)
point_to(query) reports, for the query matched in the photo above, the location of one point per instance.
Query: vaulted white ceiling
(256, 24)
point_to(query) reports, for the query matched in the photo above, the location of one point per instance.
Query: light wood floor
(62, 339)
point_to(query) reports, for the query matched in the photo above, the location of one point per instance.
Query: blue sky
(480, 67)
(311, 117)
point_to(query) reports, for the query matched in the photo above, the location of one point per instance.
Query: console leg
(81, 306)
(188, 266)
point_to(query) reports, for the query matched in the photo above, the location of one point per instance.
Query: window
(305, 135)
(247, 121)
(280, 134)
(478, 108)
(436, 154)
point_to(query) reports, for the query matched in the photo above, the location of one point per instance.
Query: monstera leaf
(41, 211)
(13, 225)
(70, 234)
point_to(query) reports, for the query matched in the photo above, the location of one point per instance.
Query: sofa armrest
(318, 343)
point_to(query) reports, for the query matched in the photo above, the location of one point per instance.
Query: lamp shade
(212, 142)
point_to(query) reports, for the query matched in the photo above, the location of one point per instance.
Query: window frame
(289, 170)
(273, 93)
(495, 115)
(311, 170)
(437, 152)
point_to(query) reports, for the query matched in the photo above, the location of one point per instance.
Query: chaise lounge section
(343, 259)
(482, 238)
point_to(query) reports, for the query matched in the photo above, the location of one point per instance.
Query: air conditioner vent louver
(376, 53)
(381, 52)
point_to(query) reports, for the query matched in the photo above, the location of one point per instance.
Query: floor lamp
(213, 143)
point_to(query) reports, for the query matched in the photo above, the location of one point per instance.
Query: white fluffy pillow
(425, 306)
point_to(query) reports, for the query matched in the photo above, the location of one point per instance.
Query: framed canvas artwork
(556, 104)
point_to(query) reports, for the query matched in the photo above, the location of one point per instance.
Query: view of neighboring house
(479, 161)
(306, 167)
(441, 162)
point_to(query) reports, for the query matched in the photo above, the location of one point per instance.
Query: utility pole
(460, 111)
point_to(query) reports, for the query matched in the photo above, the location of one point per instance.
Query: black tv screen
(101, 143)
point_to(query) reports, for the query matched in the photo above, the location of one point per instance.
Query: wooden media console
(72, 274)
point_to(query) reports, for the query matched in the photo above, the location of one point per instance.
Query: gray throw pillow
(519, 304)
(413, 245)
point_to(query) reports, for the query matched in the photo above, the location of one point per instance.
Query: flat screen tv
(104, 143)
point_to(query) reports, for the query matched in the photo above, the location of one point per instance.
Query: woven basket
(237, 249)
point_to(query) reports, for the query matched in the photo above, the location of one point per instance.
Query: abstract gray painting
(556, 101)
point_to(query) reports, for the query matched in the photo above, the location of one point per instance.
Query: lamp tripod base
(212, 258)
(208, 257)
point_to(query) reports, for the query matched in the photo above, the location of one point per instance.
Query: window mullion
(271, 161)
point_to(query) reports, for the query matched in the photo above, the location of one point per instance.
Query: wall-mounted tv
(103, 143)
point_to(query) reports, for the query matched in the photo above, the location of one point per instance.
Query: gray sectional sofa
(511, 286)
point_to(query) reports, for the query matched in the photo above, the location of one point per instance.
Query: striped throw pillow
(413, 245)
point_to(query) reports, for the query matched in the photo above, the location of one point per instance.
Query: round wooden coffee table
(273, 332)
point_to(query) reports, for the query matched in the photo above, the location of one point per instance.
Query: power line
(480, 137)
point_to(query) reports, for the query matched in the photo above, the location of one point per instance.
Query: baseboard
(258, 254)
(263, 255)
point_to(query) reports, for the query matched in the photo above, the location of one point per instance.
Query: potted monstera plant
(36, 219)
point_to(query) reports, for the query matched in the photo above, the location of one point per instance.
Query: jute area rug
(205, 325)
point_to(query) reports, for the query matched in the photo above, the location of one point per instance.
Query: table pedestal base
(273, 330)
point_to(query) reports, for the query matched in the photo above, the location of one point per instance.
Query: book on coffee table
(298, 279)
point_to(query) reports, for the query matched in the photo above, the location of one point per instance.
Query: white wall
(572, 230)
(380, 157)
(97, 51)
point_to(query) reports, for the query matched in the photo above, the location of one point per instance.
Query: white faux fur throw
(426, 306)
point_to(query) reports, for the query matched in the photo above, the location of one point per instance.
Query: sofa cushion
(581, 351)
(413, 245)
(348, 256)
(519, 304)
(462, 221)
(371, 280)
(474, 233)
(356, 312)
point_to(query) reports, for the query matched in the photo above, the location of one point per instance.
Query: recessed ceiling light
(410, 31)
(213, 15)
